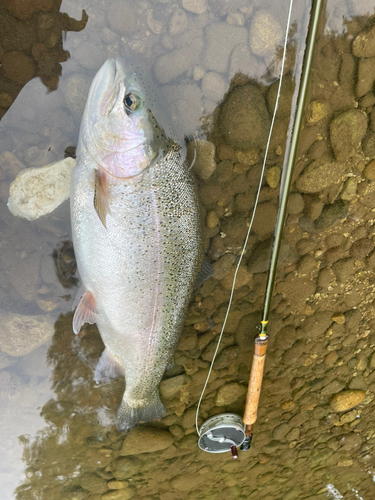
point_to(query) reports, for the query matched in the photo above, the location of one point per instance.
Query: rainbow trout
(136, 234)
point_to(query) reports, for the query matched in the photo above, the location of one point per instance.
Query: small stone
(117, 485)
(93, 482)
(21, 334)
(125, 467)
(47, 305)
(338, 318)
(195, 6)
(244, 62)
(198, 73)
(345, 463)
(154, 25)
(273, 175)
(229, 393)
(213, 86)
(265, 219)
(185, 117)
(320, 174)
(366, 76)
(243, 278)
(145, 440)
(187, 482)
(188, 419)
(212, 220)
(173, 64)
(331, 358)
(121, 17)
(249, 157)
(316, 111)
(123, 494)
(348, 417)
(171, 386)
(222, 266)
(361, 248)
(345, 400)
(265, 34)
(347, 129)
(349, 190)
(204, 154)
(288, 405)
(178, 22)
(295, 204)
(364, 43)
(236, 18)
(221, 38)
(369, 171)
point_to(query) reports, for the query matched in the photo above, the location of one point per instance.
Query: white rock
(21, 334)
(38, 191)
(198, 73)
(221, 40)
(213, 86)
(265, 33)
(195, 6)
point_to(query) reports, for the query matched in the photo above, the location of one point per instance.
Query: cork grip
(255, 382)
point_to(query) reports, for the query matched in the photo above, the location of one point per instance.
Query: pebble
(18, 66)
(243, 61)
(212, 220)
(316, 111)
(347, 129)
(366, 76)
(145, 440)
(173, 64)
(229, 393)
(117, 485)
(265, 34)
(364, 43)
(361, 248)
(204, 154)
(295, 204)
(369, 171)
(171, 386)
(21, 334)
(93, 483)
(338, 318)
(123, 494)
(345, 400)
(195, 6)
(213, 86)
(221, 38)
(273, 175)
(349, 190)
(187, 482)
(125, 467)
(244, 120)
(178, 22)
(121, 17)
(222, 266)
(185, 116)
(320, 174)
(265, 219)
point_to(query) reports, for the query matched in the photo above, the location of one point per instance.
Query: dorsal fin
(85, 312)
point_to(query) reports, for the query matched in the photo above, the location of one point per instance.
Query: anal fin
(85, 312)
(108, 367)
(101, 202)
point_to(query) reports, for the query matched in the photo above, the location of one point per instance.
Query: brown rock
(145, 440)
(265, 219)
(364, 43)
(369, 171)
(229, 393)
(19, 67)
(345, 400)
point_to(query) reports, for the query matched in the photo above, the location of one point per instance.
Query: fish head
(125, 127)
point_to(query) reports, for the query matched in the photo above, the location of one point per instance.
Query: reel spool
(222, 433)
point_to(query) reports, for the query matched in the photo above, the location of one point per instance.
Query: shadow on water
(322, 342)
(31, 45)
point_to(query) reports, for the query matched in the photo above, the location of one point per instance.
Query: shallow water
(58, 440)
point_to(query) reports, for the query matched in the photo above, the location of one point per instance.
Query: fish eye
(132, 101)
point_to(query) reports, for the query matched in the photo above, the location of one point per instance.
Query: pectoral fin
(101, 202)
(205, 272)
(85, 312)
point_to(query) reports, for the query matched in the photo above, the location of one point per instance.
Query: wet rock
(320, 174)
(285, 98)
(93, 483)
(295, 204)
(350, 441)
(145, 440)
(343, 269)
(124, 467)
(369, 171)
(331, 358)
(361, 248)
(213, 86)
(122, 494)
(185, 116)
(90, 56)
(296, 290)
(307, 264)
(334, 254)
(226, 357)
(325, 278)
(244, 119)
(171, 386)
(117, 485)
(330, 215)
(212, 220)
(345, 400)
(358, 382)
(333, 387)
(173, 64)
(202, 153)
(243, 278)
(347, 129)
(187, 482)
(366, 76)
(25, 278)
(265, 34)
(222, 266)
(305, 246)
(229, 393)
(178, 22)
(221, 38)
(188, 419)
(18, 66)
(273, 175)
(121, 17)
(10, 165)
(21, 334)
(338, 318)
(364, 43)
(316, 111)
(265, 219)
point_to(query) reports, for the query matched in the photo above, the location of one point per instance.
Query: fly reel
(223, 433)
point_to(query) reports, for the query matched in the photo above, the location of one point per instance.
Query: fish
(136, 231)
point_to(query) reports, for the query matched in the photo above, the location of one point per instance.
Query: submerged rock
(145, 440)
(345, 400)
(347, 130)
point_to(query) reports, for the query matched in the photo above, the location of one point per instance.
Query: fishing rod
(228, 432)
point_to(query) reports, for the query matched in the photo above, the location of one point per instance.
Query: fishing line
(253, 214)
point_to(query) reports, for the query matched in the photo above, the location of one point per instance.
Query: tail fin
(129, 416)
